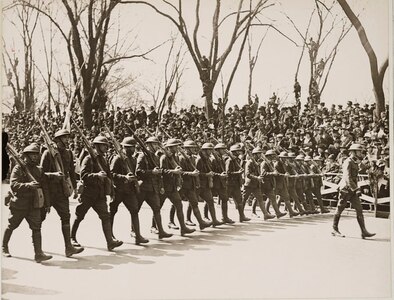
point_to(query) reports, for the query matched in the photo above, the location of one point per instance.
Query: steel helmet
(317, 158)
(190, 144)
(270, 152)
(152, 139)
(220, 146)
(356, 147)
(62, 132)
(207, 146)
(100, 140)
(172, 142)
(236, 147)
(291, 155)
(300, 157)
(32, 148)
(257, 150)
(128, 141)
(307, 158)
(283, 154)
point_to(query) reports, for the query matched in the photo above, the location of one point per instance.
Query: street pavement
(286, 258)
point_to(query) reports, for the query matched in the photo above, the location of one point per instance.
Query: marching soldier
(220, 180)
(204, 166)
(318, 183)
(191, 181)
(151, 187)
(308, 185)
(349, 191)
(29, 199)
(281, 184)
(234, 171)
(291, 181)
(59, 197)
(97, 183)
(253, 181)
(269, 183)
(126, 187)
(300, 182)
(173, 182)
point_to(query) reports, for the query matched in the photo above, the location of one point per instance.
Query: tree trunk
(87, 114)
(208, 92)
(377, 77)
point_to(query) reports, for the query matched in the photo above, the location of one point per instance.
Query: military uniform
(150, 189)
(126, 193)
(291, 183)
(60, 197)
(316, 188)
(94, 195)
(253, 186)
(349, 191)
(25, 203)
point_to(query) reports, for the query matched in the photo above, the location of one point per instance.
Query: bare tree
(25, 22)
(209, 67)
(320, 66)
(377, 74)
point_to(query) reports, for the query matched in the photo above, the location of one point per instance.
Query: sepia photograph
(196, 149)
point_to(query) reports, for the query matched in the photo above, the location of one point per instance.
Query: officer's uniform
(349, 191)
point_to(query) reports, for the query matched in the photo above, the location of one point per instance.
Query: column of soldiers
(174, 170)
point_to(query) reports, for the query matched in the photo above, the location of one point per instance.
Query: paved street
(284, 258)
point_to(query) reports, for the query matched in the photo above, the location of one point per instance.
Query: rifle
(108, 186)
(39, 200)
(123, 157)
(57, 159)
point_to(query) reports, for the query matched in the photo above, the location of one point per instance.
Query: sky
(275, 69)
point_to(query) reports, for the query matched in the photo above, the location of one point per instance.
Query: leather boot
(6, 239)
(181, 219)
(323, 210)
(37, 242)
(242, 217)
(162, 233)
(278, 213)
(299, 207)
(201, 222)
(292, 213)
(206, 210)
(111, 243)
(335, 230)
(225, 217)
(267, 215)
(364, 231)
(74, 230)
(70, 249)
(139, 239)
(312, 207)
(211, 208)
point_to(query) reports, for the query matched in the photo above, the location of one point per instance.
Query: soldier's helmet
(307, 158)
(356, 147)
(236, 147)
(270, 152)
(207, 146)
(291, 155)
(220, 146)
(318, 158)
(32, 148)
(300, 157)
(283, 154)
(61, 132)
(100, 140)
(257, 150)
(152, 139)
(128, 141)
(190, 144)
(172, 142)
